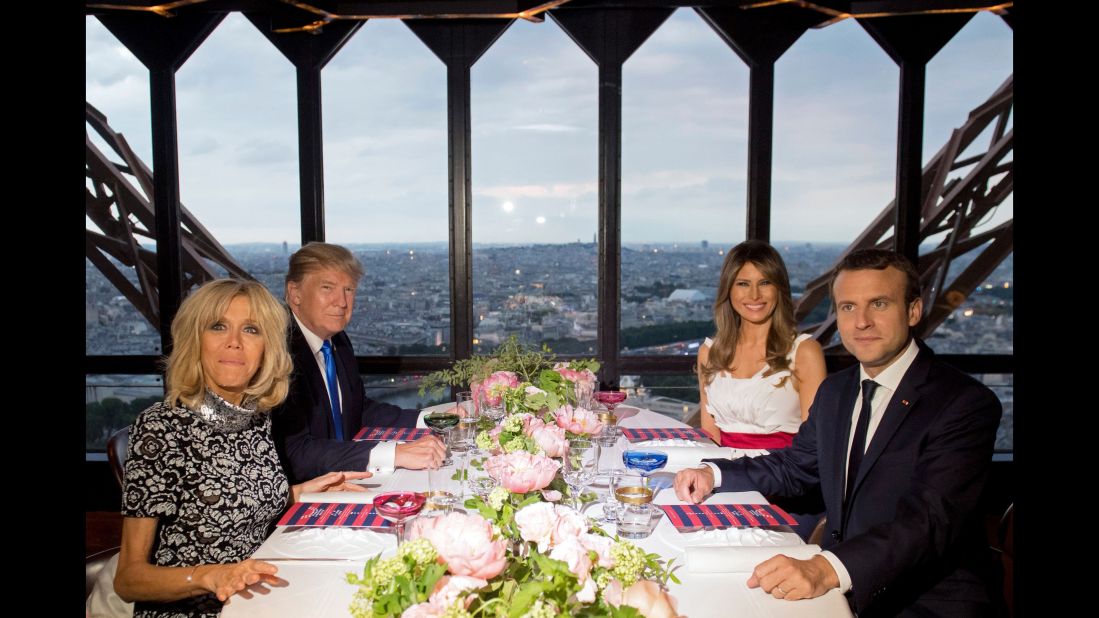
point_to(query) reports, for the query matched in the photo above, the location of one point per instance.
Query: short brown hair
(183, 372)
(316, 256)
(879, 259)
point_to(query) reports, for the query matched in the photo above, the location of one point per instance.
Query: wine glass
(441, 424)
(645, 462)
(495, 411)
(579, 468)
(398, 507)
(610, 500)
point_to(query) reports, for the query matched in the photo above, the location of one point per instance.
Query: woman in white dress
(756, 376)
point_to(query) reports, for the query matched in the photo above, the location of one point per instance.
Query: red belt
(779, 439)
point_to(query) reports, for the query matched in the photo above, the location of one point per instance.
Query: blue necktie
(333, 387)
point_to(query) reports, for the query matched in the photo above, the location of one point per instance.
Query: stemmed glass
(610, 399)
(494, 411)
(645, 462)
(442, 424)
(398, 507)
(463, 438)
(610, 500)
(579, 468)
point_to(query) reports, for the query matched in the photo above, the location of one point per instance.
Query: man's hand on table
(787, 578)
(426, 453)
(694, 484)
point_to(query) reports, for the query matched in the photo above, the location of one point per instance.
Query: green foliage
(510, 355)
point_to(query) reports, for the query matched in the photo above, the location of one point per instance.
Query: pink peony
(578, 420)
(574, 376)
(520, 472)
(601, 545)
(536, 522)
(572, 553)
(447, 591)
(570, 524)
(464, 543)
(494, 386)
(550, 438)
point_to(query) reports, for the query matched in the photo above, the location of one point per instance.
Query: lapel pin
(904, 402)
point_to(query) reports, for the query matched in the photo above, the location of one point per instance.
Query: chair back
(116, 453)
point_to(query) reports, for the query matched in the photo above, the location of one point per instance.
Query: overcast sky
(534, 111)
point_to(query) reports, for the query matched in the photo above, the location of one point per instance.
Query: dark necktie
(333, 387)
(858, 444)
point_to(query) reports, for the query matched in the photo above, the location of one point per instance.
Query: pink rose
(464, 543)
(494, 386)
(578, 420)
(424, 610)
(550, 438)
(520, 472)
(536, 522)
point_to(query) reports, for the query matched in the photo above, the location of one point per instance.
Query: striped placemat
(333, 514)
(637, 434)
(692, 516)
(391, 433)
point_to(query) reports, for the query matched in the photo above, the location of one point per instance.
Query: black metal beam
(309, 53)
(609, 37)
(911, 41)
(459, 43)
(760, 37)
(163, 46)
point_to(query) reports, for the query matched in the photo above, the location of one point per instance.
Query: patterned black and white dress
(213, 480)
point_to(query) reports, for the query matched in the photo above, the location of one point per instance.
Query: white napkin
(332, 542)
(740, 537)
(686, 453)
(340, 497)
(732, 559)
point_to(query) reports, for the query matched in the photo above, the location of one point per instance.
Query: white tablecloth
(313, 561)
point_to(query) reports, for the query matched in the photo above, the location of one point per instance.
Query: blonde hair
(783, 331)
(316, 256)
(183, 372)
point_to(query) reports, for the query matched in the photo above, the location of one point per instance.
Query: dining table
(314, 561)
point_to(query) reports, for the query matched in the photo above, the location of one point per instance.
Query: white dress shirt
(384, 453)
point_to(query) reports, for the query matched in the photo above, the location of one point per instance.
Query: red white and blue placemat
(333, 514)
(391, 433)
(637, 434)
(691, 516)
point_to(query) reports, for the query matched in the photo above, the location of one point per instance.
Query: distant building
(689, 296)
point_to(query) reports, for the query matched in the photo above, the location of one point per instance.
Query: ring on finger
(779, 588)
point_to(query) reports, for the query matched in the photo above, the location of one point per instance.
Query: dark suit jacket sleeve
(940, 502)
(788, 472)
(301, 437)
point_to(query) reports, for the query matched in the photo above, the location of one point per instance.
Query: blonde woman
(203, 482)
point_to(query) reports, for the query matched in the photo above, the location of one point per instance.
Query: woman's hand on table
(333, 481)
(225, 580)
(426, 453)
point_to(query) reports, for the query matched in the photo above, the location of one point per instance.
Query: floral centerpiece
(517, 553)
(516, 556)
(516, 366)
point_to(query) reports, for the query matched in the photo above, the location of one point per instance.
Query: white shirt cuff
(717, 474)
(420, 420)
(382, 456)
(841, 571)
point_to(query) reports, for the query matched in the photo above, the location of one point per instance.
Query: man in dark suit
(326, 406)
(900, 445)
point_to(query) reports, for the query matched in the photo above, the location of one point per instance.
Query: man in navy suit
(326, 406)
(901, 486)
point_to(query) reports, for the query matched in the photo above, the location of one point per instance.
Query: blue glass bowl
(644, 461)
